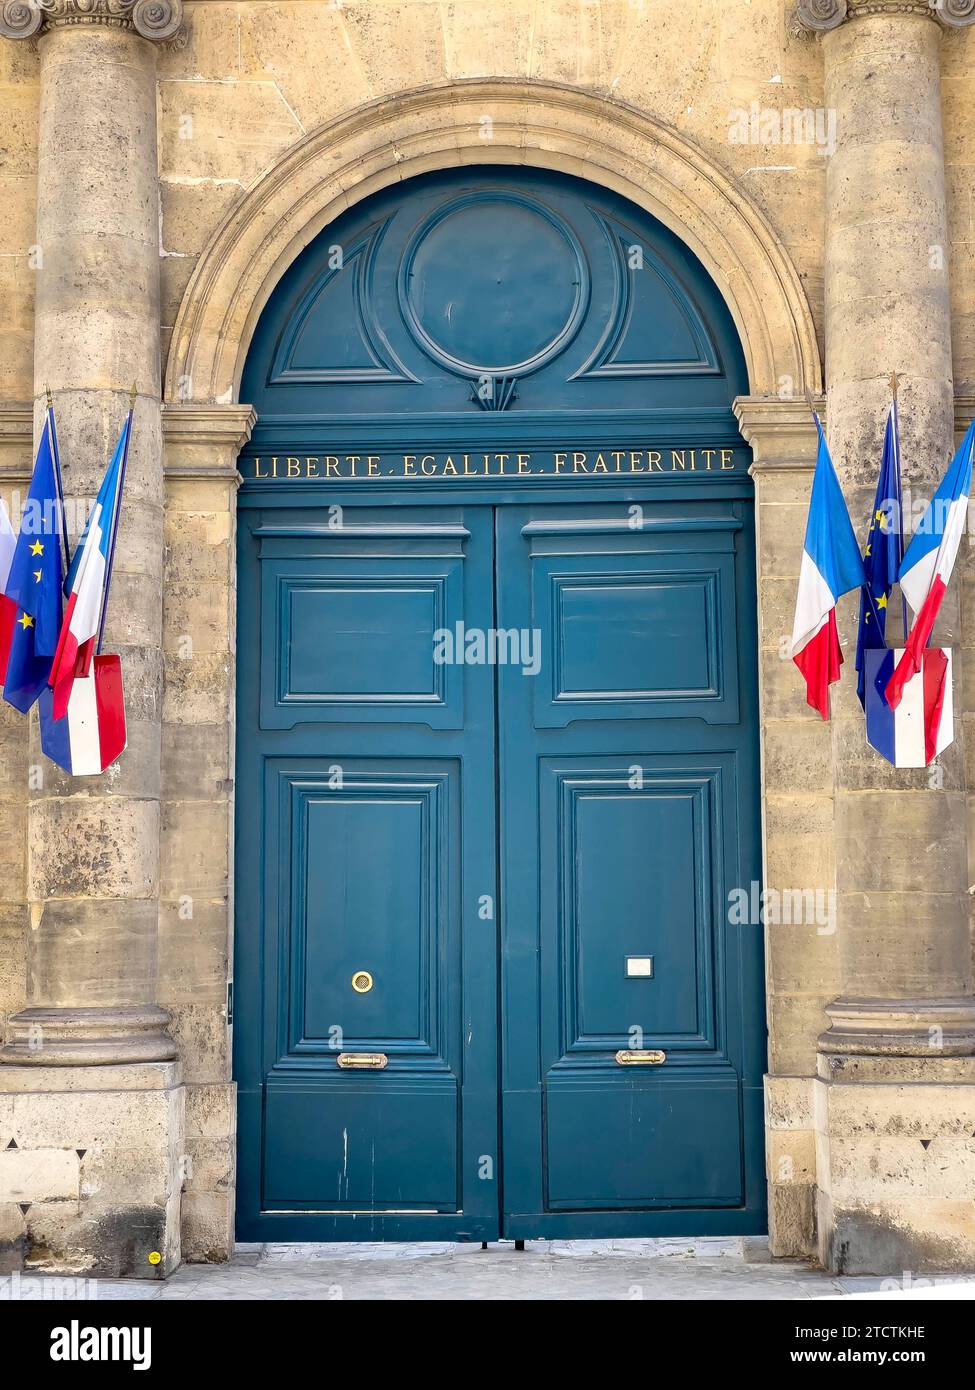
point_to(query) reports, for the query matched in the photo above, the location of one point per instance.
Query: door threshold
(751, 1249)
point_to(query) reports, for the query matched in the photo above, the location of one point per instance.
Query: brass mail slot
(371, 1061)
(651, 1058)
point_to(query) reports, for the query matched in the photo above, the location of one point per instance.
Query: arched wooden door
(497, 749)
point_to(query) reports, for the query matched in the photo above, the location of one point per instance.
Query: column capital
(159, 20)
(822, 15)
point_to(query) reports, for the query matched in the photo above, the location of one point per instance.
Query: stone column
(92, 1027)
(905, 1012)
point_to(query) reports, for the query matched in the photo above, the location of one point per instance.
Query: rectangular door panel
(344, 1143)
(638, 622)
(351, 614)
(646, 1143)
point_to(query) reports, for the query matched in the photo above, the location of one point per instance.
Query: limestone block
(13, 846)
(194, 950)
(781, 531)
(897, 1237)
(199, 544)
(789, 1102)
(20, 106)
(111, 842)
(202, 1037)
(212, 44)
(797, 756)
(795, 1021)
(196, 761)
(932, 823)
(192, 211)
(124, 1139)
(799, 846)
(792, 1220)
(509, 52)
(905, 943)
(95, 953)
(398, 45)
(274, 41)
(194, 848)
(776, 611)
(803, 957)
(783, 689)
(39, 1175)
(222, 130)
(198, 690)
(175, 272)
(197, 617)
(13, 955)
(207, 1227)
(13, 1237)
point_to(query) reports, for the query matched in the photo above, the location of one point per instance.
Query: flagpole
(115, 519)
(900, 495)
(53, 441)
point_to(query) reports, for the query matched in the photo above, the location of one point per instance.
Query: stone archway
(535, 124)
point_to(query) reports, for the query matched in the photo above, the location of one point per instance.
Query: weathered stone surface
(101, 1168)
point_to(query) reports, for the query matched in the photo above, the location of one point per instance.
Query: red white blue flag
(831, 566)
(929, 560)
(87, 583)
(8, 609)
(82, 713)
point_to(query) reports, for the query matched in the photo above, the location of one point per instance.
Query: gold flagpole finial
(893, 385)
(50, 398)
(132, 395)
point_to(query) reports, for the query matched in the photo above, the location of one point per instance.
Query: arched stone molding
(498, 122)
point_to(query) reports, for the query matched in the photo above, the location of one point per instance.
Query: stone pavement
(721, 1269)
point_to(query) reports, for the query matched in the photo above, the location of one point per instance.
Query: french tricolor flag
(8, 609)
(86, 584)
(831, 566)
(929, 560)
(92, 734)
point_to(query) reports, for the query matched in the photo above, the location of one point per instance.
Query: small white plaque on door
(640, 966)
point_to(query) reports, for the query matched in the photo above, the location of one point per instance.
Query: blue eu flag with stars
(35, 579)
(882, 557)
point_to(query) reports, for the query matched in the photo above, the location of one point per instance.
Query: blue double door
(497, 782)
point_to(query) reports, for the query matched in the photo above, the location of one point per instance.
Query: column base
(893, 1164)
(901, 1027)
(91, 1170)
(88, 1037)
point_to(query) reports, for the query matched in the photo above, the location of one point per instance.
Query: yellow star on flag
(37, 576)
(25, 621)
(882, 601)
(37, 548)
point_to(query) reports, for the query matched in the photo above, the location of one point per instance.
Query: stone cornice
(822, 15)
(782, 433)
(159, 20)
(220, 431)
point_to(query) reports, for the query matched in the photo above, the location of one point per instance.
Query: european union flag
(34, 580)
(882, 557)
